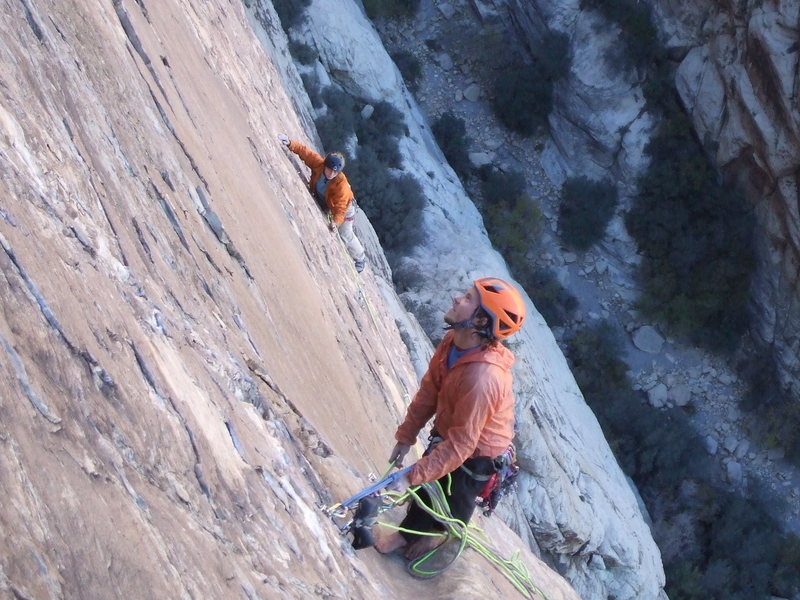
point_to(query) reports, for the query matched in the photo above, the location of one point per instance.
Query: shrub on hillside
(522, 98)
(639, 37)
(290, 12)
(410, 68)
(552, 300)
(501, 187)
(338, 124)
(381, 133)
(552, 54)
(596, 356)
(523, 94)
(775, 408)
(512, 218)
(302, 52)
(743, 552)
(451, 135)
(659, 87)
(311, 86)
(695, 237)
(515, 228)
(786, 577)
(586, 208)
(392, 203)
(390, 8)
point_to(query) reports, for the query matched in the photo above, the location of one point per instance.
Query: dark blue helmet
(335, 161)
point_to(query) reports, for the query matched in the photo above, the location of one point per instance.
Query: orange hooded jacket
(338, 195)
(473, 405)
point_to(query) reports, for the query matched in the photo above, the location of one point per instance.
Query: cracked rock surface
(189, 366)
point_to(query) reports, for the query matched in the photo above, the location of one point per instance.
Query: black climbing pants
(463, 490)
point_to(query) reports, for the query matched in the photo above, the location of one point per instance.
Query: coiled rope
(512, 568)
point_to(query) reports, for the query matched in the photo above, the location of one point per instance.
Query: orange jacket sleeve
(476, 399)
(307, 155)
(423, 406)
(419, 412)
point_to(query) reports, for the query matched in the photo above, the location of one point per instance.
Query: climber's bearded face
(464, 306)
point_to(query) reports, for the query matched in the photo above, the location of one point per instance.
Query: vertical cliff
(190, 365)
(737, 74)
(574, 502)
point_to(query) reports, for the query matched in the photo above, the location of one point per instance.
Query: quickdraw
(501, 482)
(365, 505)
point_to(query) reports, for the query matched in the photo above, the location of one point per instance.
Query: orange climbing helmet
(503, 303)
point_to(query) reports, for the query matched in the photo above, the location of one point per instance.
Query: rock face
(739, 79)
(573, 496)
(598, 123)
(737, 75)
(190, 367)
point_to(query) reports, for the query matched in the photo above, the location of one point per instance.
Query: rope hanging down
(371, 311)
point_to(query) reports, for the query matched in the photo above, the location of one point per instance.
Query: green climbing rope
(513, 568)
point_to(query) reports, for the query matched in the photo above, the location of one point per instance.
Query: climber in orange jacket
(467, 390)
(330, 188)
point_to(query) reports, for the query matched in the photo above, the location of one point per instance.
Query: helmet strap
(465, 324)
(470, 324)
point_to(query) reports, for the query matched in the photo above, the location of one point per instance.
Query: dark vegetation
(638, 45)
(390, 8)
(695, 235)
(585, 210)
(312, 89)
(523, 93)
(523, 97)
(302, 53)
(291, 12)
(451, 136)
(409, 67)
(693, 230)
(775, 404)
(740, 551)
